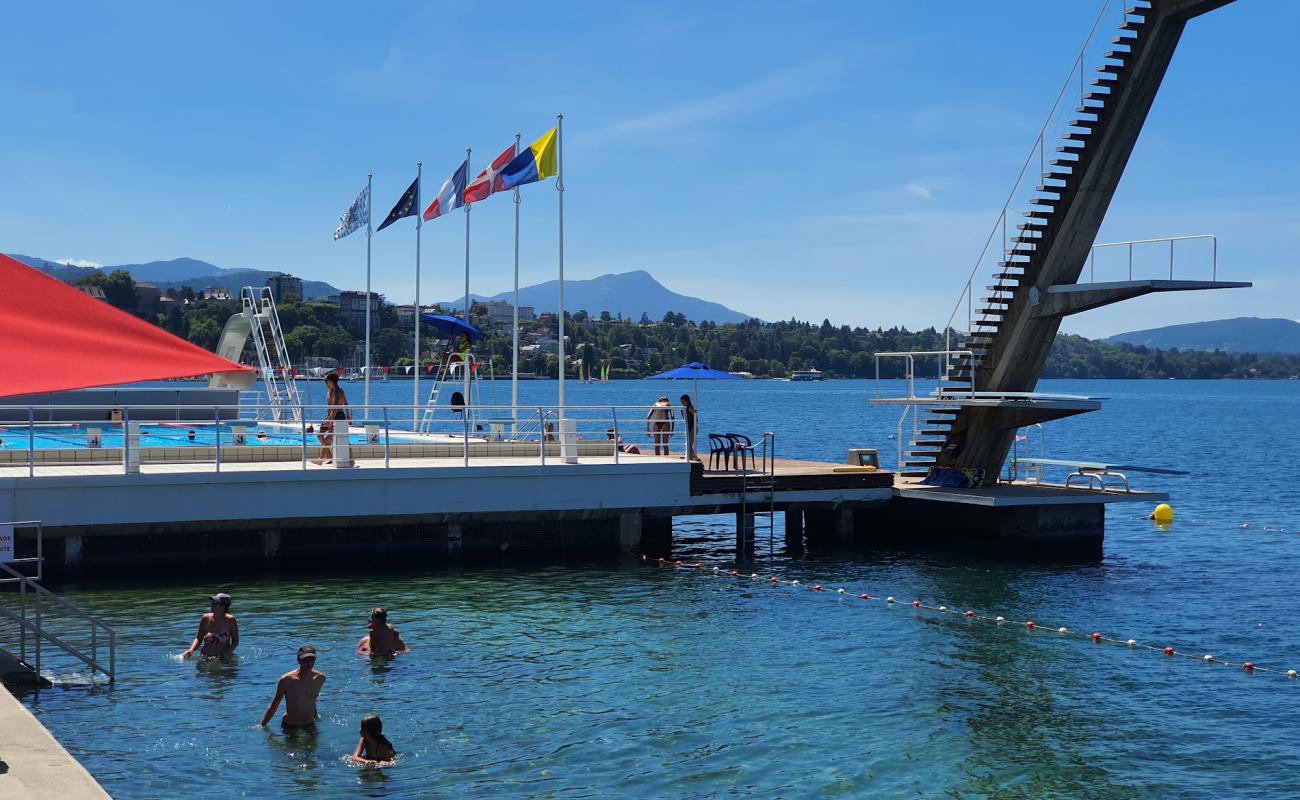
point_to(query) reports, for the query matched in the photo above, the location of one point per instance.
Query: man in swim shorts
(299, 690)
(384, 640)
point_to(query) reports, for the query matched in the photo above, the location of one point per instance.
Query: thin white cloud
(77, 262)
(782, 86)
(918, 189)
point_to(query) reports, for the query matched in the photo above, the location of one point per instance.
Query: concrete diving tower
(1045, 249)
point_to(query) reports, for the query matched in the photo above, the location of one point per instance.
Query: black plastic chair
(741, 447)
(720, 449)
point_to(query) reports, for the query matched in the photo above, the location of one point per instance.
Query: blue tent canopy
(451, 326)
(694, 371)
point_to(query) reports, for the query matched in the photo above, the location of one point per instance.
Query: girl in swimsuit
(338, 405)
(374, 749)
(218, 633)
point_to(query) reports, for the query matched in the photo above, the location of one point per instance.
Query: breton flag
(537, 163)
(489, 180)
(406, 206)
(451, 195)
(358, 214)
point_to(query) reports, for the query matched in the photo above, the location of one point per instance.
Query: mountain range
(629, 294)
(179, 272)
(1238, 335)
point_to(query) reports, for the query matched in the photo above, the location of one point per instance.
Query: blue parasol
(695, 371)
(451, 326)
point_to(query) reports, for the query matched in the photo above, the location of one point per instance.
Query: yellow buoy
(1164, 514)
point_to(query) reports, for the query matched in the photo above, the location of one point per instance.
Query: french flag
(451, 195)
(489, 180)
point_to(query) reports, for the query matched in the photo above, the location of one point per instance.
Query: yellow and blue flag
(534, 163)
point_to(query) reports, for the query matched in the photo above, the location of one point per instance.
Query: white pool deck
(36, 766)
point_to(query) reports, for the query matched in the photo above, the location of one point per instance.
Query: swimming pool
(159, 434)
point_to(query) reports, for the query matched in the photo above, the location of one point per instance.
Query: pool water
(171, 434)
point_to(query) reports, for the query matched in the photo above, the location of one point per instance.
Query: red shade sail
(53, 337)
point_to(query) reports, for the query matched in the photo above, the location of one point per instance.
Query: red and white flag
(488, 181)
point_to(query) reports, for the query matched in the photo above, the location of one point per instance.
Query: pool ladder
(36, 607)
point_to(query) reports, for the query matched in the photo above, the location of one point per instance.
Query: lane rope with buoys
(969, 615)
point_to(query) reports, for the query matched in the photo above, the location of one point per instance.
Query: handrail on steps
(39, 633)
(1039, 149)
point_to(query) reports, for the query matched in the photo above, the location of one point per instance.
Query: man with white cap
(218, 634)
(299, 690)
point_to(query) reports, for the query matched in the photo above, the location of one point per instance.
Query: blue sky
(845, 160)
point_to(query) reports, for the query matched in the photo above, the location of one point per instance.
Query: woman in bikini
(659, 424)
(218, 634)
(337, 412)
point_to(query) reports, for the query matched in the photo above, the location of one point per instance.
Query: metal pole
(216, 430)
(419, 219)
(464, 363)
(1171, 259)
(514, 347)
(559, 187)
(369, 198)
(1130, 261)
(31, 442)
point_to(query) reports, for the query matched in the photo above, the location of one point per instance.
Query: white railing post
(31, 442)
(216, 432)
(387, 437)
(613, 414)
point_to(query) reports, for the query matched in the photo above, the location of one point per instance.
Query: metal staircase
(452, 375)
(1044, 233)
(282, 399)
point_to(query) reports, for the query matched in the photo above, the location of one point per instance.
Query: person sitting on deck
(383, 640)
(374, 749)
(299, 690)
(218, 634)
(618, 442)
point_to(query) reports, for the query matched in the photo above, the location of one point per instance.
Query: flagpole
(419, 218)
(464, 365)
(514, 347)
(369, 198)
(559, 187)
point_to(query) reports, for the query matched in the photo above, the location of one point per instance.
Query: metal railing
(1170, 240)
(1021, 191)
(37, 605)
(109, 436)
(944, 372)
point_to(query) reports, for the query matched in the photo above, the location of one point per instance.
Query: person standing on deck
(690, 419)
(336, 412)
(659, 424)
(384, 640)
(299, 690)
(218, 634)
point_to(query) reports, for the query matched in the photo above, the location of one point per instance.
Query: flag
(451, 195)
(489, 180)
(537, 163)
(358, 214)
(406, 206)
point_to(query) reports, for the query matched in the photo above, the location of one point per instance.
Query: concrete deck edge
(39, 768)
(1048, 497)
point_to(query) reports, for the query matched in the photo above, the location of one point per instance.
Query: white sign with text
(6, 543)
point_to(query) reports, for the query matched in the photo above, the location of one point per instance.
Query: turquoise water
(627, 680)
(174, 434)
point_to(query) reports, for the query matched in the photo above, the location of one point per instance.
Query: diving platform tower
(1042, 244)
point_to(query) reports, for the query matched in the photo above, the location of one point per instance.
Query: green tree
(204, 332)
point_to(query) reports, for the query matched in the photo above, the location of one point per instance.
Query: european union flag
(405, 207)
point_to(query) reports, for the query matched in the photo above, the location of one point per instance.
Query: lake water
(640, 681)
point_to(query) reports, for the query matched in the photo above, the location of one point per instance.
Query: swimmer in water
(374, 749)
(190, 434)
(299, 690)
(384, 640)
(218, 634)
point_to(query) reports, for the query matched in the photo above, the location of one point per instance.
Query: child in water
(374, 749)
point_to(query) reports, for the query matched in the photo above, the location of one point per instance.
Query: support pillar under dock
(629, 531)
(794, 529)
(656, 536)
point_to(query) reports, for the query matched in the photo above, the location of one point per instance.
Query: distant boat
(745, 375)
(811, 374)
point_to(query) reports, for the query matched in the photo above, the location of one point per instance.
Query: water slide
(231, 344)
